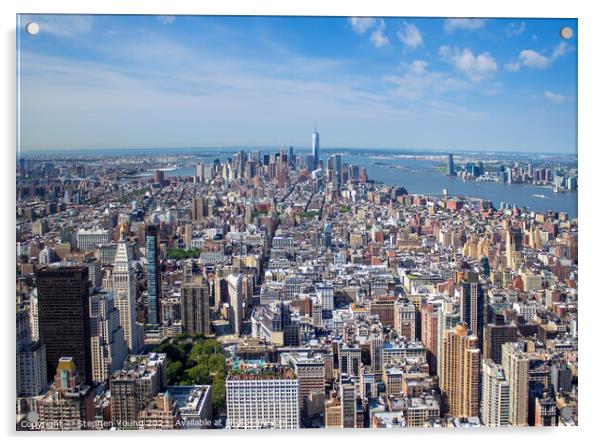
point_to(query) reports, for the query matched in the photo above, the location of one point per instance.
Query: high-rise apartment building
(460, 372)
(495, 396)
(32, 377)
(153, 275)
(448, 318)
(194, 308)
(198, 209)
(69, 404)
(348, 402)
(64, 317)
(309, 368)
(516, 366)
(134, 386)
(107, 339)
(429, 325)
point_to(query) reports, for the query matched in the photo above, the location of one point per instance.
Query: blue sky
(185, 81)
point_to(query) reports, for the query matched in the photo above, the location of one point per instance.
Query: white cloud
(535, 60)
(378, 37)
(418, 66)
(418, 82)
(560, 50)
(362, 24)
(166, 19)
(512, 66)
(450, 25)
(514, 30)
(476, 68)
(410, 35)
(555, 98)
(61, 25)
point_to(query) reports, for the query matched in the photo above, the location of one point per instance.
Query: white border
(590, 160)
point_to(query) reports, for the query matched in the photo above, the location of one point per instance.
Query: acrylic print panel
(296, 222)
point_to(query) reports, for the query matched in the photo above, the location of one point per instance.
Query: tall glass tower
(153, 274)
(315, 147)
(450, 165)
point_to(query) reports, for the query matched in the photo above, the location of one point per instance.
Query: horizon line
(304, 147)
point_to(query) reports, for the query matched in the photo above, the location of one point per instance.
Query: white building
(87, 238)
(31, 359)
(124, 287)
(496, 395)
(107, 339)
(235, 311)
(326, 294)
(262, 400)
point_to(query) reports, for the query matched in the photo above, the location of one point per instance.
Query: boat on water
(535, 195)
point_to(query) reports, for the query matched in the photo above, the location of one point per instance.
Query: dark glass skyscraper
(64, 317)
(450, 165)
(472, 299)
(153, 275)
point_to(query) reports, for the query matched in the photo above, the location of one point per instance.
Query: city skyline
(93, 82)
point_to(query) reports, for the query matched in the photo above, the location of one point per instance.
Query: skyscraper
(448, 318)
(494, 336)
(495, 397)
(107, 339)
(141, 379)
(472, 300)
(348, 402)
(198, 208)
(450, 165)
(235, 314)
(516, 366)
(64, 317)
(31, 360)
(69, 405)
(460, 372)
(194, 309)
(315, 147)
(309, 369)
(124, 286)
(153, 275)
